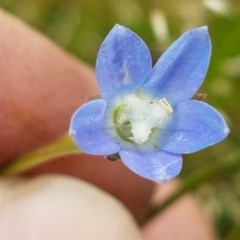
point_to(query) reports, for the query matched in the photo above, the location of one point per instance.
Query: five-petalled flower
(146, 114)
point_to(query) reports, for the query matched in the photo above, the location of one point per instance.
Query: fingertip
(113, 177)
(56, 207)
(41, 86)
(184, 219)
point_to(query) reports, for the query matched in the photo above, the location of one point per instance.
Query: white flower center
(135, 119)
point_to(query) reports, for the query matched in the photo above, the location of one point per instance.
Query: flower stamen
(136, 119)
(166, 105)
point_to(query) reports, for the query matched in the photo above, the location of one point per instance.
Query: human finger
(183, 220)
(54, 207)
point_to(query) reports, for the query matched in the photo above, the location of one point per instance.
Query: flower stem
(62, 147)
(210, 171)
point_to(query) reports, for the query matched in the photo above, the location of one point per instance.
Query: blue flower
(146, 114)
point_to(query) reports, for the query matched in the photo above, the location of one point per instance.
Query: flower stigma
(135, 119)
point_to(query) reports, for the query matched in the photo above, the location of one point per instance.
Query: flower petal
(158, 166)
(195, 125)
(181, 69)
(89, 129)
(123, 62)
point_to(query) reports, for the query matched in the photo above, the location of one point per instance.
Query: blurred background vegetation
(79, 26)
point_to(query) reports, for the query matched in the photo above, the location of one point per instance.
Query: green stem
(216, 168)
(62, 147)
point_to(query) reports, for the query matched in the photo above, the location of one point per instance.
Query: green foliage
(235, 233)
